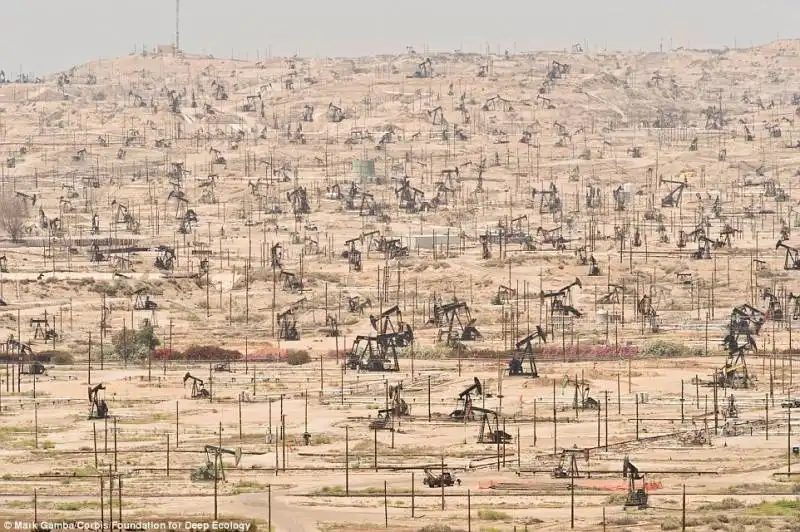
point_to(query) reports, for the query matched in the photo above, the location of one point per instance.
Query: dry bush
(622, 520)
(728, 503)
(57, 357)
(165, 353)
(13, 213)
(671, 523)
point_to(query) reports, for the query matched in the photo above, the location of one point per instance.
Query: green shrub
(320, 439)
(211, 352)
(133, 344)
(297, 357)
(663, 349)
(782, 507)
(493, 515)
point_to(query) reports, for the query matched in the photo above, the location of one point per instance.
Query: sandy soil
(583, 134)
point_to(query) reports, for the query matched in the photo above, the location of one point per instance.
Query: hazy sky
(50, 35)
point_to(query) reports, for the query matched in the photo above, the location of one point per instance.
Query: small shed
(363, 168)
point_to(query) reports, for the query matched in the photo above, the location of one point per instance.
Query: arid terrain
(616, 214)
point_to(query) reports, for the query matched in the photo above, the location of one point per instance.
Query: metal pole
(555, 419)
(94, 434)
(110, 499)
(572, 498)
(429, 398)
(102, 505)
(115, 443)
(283, 441)
(697, 389)
(469, 512)
(442, 483)
(119, 496)
(683, 509)
(216, 479)
(598, 426)
(716, 409)
(606, 428)
(412, 494)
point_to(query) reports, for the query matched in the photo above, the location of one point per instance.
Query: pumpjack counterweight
(99, 409)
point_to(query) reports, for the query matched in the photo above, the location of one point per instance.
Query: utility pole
(177, 26)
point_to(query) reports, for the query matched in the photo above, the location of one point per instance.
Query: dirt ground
(609, 137)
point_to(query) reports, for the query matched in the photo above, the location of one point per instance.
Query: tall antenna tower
(177, 26)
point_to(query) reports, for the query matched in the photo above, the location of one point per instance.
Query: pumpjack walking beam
(214, 468)
(525, 352)
(490, 431)
(384, 324)
(637, 497)
(374, 353)
(287, 326)
(568, 463)
(581, 398)
(792, 259)
(465, 401)
(673, 199)
(745, 324)
(457, 324)
(198, 387)
(99, 408)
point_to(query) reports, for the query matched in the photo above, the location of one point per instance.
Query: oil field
(434, 292)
